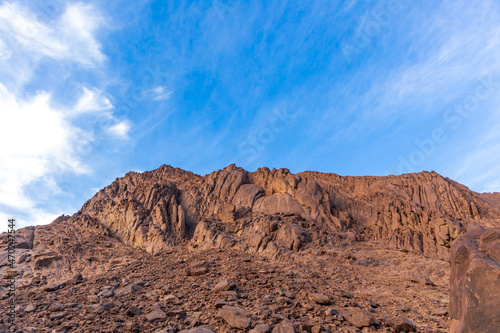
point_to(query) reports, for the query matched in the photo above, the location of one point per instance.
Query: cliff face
(267, 210)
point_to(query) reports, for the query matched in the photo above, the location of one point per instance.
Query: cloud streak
(71, 37)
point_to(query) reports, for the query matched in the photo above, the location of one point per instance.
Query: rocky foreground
(268, 251)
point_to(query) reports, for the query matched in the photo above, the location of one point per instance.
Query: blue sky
(92, 90)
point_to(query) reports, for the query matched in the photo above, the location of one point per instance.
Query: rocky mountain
(268, 210)
(306, 252)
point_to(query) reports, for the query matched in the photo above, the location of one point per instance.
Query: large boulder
(282, 204)
(247, 194)
(475, 282)
(291, 236)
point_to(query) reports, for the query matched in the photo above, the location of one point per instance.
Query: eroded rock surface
(475, 282)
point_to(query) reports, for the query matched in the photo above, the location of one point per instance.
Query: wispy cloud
(160, 93)
(43, 139)
(120, 130)
(478, 166)
(451, 50)
(70, 38)
(93, 100)
(446, 52)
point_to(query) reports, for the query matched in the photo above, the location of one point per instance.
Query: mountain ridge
(182, 186)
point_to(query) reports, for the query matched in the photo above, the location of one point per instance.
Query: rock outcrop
(421, 213)
(475, 282)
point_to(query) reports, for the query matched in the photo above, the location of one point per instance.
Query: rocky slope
(314, 251)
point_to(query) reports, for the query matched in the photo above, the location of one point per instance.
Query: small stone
(357, 317)
(90, 308)
(285, 327)
(330, 312)
(128, 289)
(201, 329)
(352, 329)
(440, 312)
(100, 309)
(231, 293)
(93, 298)
(156, 315)
(422, 279)
(108, 305)
(308, 306)
(22, 258)
(220, 303)
(55, 307)
(319, 298)
(78, 278)
(401, 324)
(60, 330)
(236, 317)
(179, 313)
(260, 328)
(106, 293)
(284, 300)
(224, 285)
(200, 263)
(404, 308)
(279, 316)
(133, 311)
(171, 299)
(30, 308)
(57, 315)
(317, 329)
(197, 271)
(132, 326)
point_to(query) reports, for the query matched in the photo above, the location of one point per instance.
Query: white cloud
(93, 100)
(36, 141)
(41, 142)
(119, 130)
(70, 37)
(80, 23)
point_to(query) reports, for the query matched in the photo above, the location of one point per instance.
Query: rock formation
(422, 213)
(298, 243)
(475, 282)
